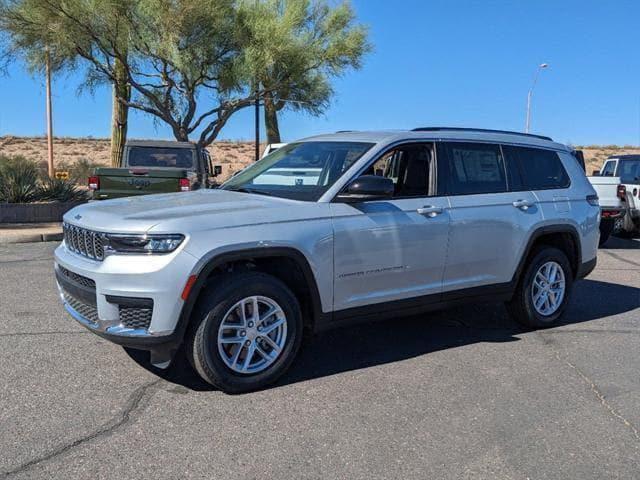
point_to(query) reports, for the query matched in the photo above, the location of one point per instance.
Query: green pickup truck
(155, 167)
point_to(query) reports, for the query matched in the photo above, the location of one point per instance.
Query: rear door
(490, 214)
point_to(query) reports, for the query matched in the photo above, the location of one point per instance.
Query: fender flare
(248, 254)
(546, 230)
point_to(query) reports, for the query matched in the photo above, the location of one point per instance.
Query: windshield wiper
(250, 190)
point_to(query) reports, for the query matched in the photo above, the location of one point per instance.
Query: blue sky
(435, 62)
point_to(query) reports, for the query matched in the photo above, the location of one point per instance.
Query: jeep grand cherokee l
(395, 223)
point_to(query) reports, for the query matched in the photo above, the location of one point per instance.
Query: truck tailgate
(607, 190)
(124, 182)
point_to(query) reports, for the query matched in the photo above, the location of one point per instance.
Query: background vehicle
(395, 223)
(154, 167)
(618, 188)
(292, 168)
(272, 147)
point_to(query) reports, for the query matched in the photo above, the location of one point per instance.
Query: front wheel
(544, 289)
(248, 331)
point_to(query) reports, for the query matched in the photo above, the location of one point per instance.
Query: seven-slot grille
(84, 242)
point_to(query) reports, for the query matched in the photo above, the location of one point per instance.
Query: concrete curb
(30, 238)
(30, 233)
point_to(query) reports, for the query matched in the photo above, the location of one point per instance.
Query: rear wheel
(544, 289)
(248, 331)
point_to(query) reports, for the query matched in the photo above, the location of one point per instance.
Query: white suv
(395, 223)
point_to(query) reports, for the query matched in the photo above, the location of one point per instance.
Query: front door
(395, 249)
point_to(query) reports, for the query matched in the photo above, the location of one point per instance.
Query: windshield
(158, 157)
(629, 171)
(300, 171)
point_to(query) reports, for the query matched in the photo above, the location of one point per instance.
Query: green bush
(82, 170)
(18, 180)
(21, 182)
(55, 189)
(79, 171)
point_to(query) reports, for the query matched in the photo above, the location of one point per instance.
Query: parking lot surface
(464, 393)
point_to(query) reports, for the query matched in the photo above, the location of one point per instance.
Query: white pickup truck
(618, 188)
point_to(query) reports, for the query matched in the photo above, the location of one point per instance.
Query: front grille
(84, 281)
(87, 311)
(139, 318)
(84, 242)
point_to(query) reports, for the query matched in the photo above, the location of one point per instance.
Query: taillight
(185, 185)
(622, 192)
(593, 200)
(94, 182)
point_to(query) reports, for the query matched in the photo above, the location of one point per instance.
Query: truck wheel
(544, 289)
(248, 330)
(606, 228)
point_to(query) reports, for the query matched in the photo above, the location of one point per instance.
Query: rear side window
(609, 169)
(540, 169)
(474, 168)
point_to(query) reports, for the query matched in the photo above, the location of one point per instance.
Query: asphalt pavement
(459, 394)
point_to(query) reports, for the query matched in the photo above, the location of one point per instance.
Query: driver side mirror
(367, 187)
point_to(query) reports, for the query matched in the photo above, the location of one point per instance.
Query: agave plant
(18, 180)
(55, 189)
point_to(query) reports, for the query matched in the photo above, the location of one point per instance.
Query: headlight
(153, 243)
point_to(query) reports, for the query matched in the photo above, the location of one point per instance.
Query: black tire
(521, 305)
(606, 229)
(215, 301)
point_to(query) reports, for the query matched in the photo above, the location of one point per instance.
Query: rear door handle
(522, 204)
(430, 211)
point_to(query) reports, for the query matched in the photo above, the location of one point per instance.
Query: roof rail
(346, 131)
(479, 130)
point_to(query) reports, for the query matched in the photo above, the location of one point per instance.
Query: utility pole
(530, 94)
(257, 121)
(47, 62)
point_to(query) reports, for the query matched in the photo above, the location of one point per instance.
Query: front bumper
(96, 293)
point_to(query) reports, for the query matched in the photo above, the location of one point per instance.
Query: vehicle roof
(160, 143)
(391, 136)
(624, 157)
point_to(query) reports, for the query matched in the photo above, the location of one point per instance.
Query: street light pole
(530, 94)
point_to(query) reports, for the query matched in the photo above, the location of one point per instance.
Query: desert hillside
(233, 156)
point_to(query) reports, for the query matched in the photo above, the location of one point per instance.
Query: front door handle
(430, 211)
(522, 204)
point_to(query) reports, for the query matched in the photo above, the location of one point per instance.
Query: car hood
(185, 211)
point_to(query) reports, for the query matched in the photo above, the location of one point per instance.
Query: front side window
(474, 168)
(408, 166)
(300, 171)
(157, 157)
(541, 169)
(629, 171)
